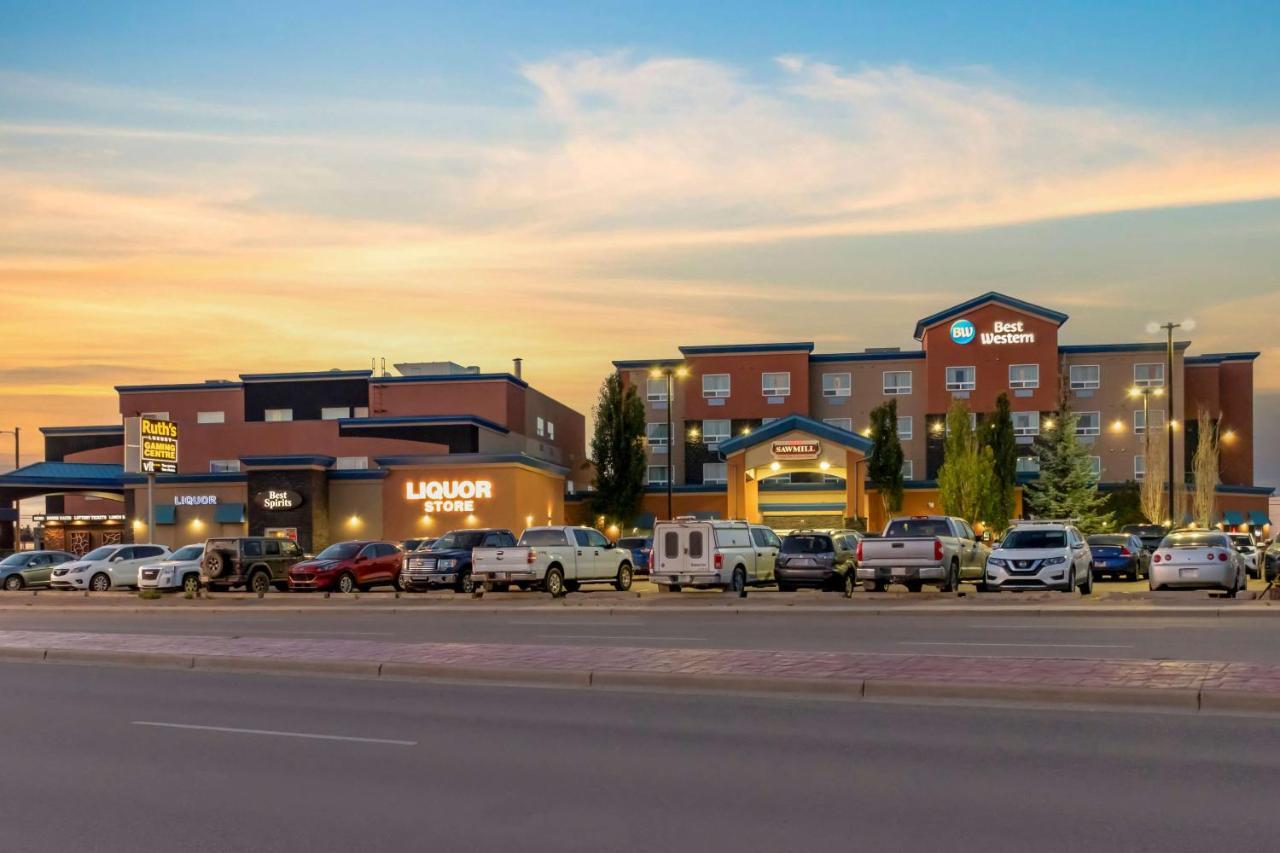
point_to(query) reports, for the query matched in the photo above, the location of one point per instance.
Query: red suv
(348, 566)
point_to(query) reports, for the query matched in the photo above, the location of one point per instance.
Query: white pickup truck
(922, 549)
(557, 559)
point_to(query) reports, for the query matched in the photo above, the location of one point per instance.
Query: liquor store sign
(448, 495)
(157, 446)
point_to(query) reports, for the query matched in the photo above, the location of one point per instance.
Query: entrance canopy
(54, 478)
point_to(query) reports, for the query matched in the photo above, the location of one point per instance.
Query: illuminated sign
(963, 331)
(195, 500)
(278, 500)
(448, 495)
(1002, 333)
(158, 446)
(796, 449)
(57, 519)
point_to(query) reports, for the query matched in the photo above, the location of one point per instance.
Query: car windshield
(15, 559)
(1194, 540)
(806, 544)
(339, 551)
(1242, 541)
(633, 543)
(543, 537)
(918, 527)
(189, 552)
(1035, 539)
(1108, 540)
(460, 540)
(100, 553)
(1144, 529)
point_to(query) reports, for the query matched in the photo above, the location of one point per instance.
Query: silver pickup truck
(557, 559)
(923, 549)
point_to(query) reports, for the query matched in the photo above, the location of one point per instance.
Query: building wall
(867, 383)
(355, 509)
(1236, 429)
(522, 497)
(192, 523)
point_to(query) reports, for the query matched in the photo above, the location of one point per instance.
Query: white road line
(576, 623)
(619, 637)
(1018, 645)
(308, 735)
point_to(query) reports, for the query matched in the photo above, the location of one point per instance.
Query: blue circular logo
(963, 332)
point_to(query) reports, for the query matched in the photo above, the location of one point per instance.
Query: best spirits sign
(157, 446)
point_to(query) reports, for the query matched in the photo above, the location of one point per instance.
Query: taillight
(1155, 558)
(719, 561)
(859, 550)
(1124, 552)
(533, 556)
(1222, 556)
(937, 549)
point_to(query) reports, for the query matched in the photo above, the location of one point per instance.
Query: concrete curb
(1191, 700)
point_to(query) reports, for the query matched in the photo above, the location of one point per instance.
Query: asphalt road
(106, 760)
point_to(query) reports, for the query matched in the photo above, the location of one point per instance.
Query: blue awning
(229, 514)
(1232, 517)
(1258, 518)
(166, 514)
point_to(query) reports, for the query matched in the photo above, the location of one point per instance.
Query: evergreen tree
(617, 448)
(966, 478)
(884, 465)
(1066, 487)
(997, 434)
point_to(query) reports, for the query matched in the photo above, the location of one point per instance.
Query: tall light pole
(1147, 394)
(670, 372)
(16, 432)
(1168, 401)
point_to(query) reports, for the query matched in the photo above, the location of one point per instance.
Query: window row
(545, 429)
(717, 474)
(778, 384)
(1085, 377)
(342, 463)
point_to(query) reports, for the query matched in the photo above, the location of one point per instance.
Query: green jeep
(254, 562)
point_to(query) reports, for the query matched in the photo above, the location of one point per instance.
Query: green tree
(617, 448)
(1066, 487)
(884, 465)
(1125, 505)
(966, 477)
(997, 434)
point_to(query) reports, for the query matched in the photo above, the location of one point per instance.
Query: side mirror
(117, 558)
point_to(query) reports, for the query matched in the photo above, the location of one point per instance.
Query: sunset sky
(193, 193)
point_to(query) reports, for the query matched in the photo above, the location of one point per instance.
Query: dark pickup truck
(447, 562)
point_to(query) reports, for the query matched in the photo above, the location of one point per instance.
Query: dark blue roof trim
(992, 296)
(688, 489)
(817, 507)
(359, 474)
(772, 430)
(867, 356)
(721, 349)
(288, 461)
(1224, 489)
(304, 375)
(106, 429)
(450, 459)
(766, 486)
(220, 385)
(427, 420)
(1145, 346)
(449, 377)
(1220, 357)
(647, 364)
(180, 479)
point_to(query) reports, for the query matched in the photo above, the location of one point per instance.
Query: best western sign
(157, 446)
(449, 495)
(1002, 332)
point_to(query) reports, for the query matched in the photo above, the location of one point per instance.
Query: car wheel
(952, 582)
(738, 581)
(1087, 588)
(466, 584)
(191, 584)
(346, 583)
(623, 582)
(259, 582)
(1071, 582)
(555, 582)
(1133, 575)
(849, 584)
(100, 583)
(13, 583)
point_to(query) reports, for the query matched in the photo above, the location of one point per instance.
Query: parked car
(359, 564)
(1248, 548)
(702, 553)
(409, 545)
(1118, 554)
(826, 559)
(1198, 559)
(557, 559)
(23, 569)
(180, 571)
(107, 567)
(1151, 535)
(922, 549)
(1041, 555)
(253, 562)
(1271, 560)
(447, 562)
(641, 548)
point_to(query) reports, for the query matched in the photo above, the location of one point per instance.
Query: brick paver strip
(850, 666)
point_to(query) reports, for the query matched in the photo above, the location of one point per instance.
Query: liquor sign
(157, 446)
(277, 500)
(449, 495)
(796, 449)
(195, 500)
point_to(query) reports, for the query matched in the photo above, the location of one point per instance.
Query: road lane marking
(1017, 645)
(307, 735)
(619, 637)
(576, 623)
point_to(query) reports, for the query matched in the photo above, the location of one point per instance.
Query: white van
(703, 553)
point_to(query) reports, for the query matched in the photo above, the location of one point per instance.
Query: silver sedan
(1198, 559)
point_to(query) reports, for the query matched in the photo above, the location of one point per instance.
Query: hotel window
(1139, 467)
(905, 428)
(211, 417)
(541, 426)
(360, 412)
(1095, 467)
(1088, 423)
(715, 385)
(845, 424)
(775, 384)
(1026, 423)
(1024, 376)
(973, 422)
(278, 415)
(836, 385)
(908, 469)
(335, 413)
(897, 383)
(1140, 421)
(715, 472)
(224, 466)
(1085, 376)
(656, 390)
(1148, 375)
(551, 431)
(352, 463)
(716, 431)
(156, 416)
(656, 435)
(962, 378)
(656, 475)
(1027, 465)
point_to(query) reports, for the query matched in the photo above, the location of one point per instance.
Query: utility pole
(1168, 418)
(16, 432)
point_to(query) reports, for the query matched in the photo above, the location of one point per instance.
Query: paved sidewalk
(1187, 684)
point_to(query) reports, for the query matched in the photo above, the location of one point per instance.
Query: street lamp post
(1147, 394)
(1168, 403)
(16, 432)
(670, 372)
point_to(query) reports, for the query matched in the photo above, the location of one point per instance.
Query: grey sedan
(30, 568)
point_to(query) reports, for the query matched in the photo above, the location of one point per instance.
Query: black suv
(447, 561)
(255, 562)
(826, 559)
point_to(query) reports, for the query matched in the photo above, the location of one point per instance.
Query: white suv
(179, 570)
(1041, 555)
(106, 567)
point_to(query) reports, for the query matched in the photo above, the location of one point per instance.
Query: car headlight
(997, 562)
(1055, 561)
(447, 564)
(79, 570)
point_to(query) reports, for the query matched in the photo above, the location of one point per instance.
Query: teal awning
(1258, 518)
(166, 514)
(229, 514)
(1232, 517)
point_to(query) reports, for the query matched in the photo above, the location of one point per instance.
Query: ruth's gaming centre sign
(449, 495)
(1002, 333)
